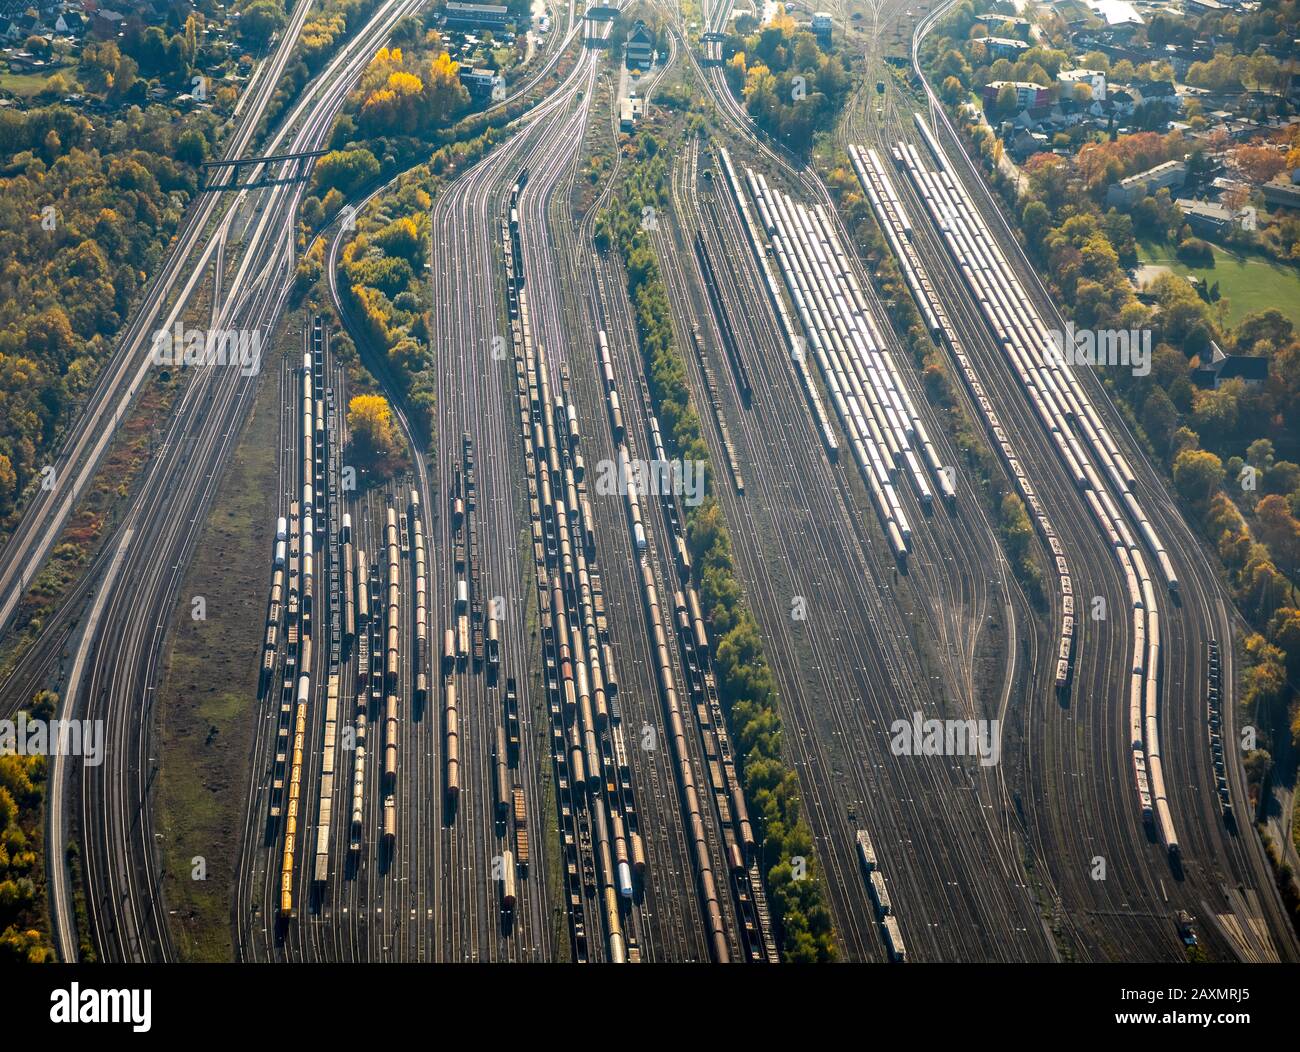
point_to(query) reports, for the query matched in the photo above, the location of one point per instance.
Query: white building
(1027, 92)
(1128, 191)
(1094, 78)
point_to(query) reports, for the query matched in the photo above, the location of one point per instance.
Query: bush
(1195, 252)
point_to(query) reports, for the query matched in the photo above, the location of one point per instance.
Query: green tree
(260, 21)
(192, 148)
(1197, 474)
(1006, 103)
(346, 170)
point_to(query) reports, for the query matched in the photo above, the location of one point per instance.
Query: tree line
(746, 684)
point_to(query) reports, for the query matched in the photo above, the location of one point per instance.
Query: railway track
(1070, 794)
(905, 664)
(451, 837)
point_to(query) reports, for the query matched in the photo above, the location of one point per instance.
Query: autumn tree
(373, 434)
(1280, 530)
(1258, 164)
(400, 97)
(445, 96)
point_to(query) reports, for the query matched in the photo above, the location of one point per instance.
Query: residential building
(1027, 92)
(1252, 371)
(998, 22)
(1005, 47)
(480, 83)
(1095, 79)
(1129, 191)
(1120, 16)
(1026, 143)
(107, 24)
(1206, 218)
(1154, 91)
(70, 23)
(1284, 191)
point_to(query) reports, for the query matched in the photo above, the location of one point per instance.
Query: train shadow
(1176, 867)
(1063, 695)
(450, 806)
(1174, 858)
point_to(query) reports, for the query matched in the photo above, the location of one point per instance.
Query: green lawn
(1250, 283)
(26, 85)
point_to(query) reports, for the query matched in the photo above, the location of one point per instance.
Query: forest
(86, 212)
(791, 87)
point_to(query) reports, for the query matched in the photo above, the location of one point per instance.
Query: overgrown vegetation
(745, 680)
(791, 87)
(24, 925)
(86, 212)
(207, 697)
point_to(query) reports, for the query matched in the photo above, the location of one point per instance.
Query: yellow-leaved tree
(373, 434)
(445, 96)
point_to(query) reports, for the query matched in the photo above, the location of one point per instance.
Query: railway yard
(488, 722)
